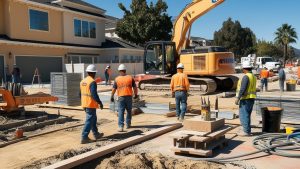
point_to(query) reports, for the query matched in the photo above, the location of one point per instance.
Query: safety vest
(86, 97)
(179, 82)
(124, 85)
(251, 88)
(264, 74)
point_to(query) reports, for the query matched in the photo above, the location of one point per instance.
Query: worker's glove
(135, 96)
(112, 99)
(237, 101)
(101, 105)
(173, 94)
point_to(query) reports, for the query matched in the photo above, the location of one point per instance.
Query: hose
(271, 143)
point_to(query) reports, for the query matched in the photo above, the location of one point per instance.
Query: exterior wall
(2, 28)
(69, 37)
(7, 17)
(19, 24)
(132, 69)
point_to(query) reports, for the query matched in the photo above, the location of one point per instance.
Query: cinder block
(197, 124)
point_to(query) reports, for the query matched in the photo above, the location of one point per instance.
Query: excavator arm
(186, 18)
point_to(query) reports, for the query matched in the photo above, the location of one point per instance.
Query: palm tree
(285, 35)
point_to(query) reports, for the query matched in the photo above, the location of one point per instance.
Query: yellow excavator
(209, 68)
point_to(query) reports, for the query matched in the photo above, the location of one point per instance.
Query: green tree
(265, 48)
(241, 41)
(143, 22)
(285, 35)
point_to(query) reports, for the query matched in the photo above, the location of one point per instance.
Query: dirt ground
(50, 148)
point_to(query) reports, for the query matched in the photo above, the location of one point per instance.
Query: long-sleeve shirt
(179, 82)
(94, 93)
(244, 86)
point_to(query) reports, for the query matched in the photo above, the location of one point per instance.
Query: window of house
(77, 27)
(39, 20)
(85, 29)
(92, 30)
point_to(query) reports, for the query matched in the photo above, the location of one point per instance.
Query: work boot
(121, 129)
(98, 136)
(244, 134)
(181, 119)
(128, 126)
(87, 140)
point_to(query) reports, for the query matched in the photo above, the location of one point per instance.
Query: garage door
(45, 65)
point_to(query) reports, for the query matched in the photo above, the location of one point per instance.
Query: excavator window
(160, 58)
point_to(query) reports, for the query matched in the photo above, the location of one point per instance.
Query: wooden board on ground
(197, 124)
(60, 106)
(173, 113)
(91, 155)
(192, 151)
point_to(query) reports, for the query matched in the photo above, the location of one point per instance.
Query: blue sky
(263, 17)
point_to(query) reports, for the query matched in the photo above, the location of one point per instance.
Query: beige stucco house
(46, 34)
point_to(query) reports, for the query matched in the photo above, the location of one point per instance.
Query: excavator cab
(160, 58)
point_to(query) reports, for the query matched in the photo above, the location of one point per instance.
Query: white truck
(261, 62)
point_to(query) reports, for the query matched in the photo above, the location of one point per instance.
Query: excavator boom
(186, 18)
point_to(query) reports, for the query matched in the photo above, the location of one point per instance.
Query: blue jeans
(90, 123)
(106, 78)
(246, 107)
(181, 101)
(281, 84)
(125, 102)
(264, 82)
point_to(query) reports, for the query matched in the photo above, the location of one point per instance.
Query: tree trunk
(284, 55)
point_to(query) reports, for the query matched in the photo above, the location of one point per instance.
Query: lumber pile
(200, 137)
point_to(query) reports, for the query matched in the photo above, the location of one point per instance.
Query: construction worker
(180, 86)
(107, 74)
(282, 78)
(90, 101)
(246, 94)
(16, 74)
(123, 85)
(264, 75)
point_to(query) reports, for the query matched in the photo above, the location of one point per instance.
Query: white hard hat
(246, 64)
(91, 68)
(121, 67)
(180, 66)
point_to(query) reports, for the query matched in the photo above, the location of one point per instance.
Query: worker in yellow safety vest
(246, 94)
(180, 86)
(90, 101)
(123, 85)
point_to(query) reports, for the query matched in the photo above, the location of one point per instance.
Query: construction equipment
(208, 67)
(16, 103)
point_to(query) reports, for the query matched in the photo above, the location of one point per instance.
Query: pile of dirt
(123, 160)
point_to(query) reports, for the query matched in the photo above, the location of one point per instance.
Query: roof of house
(80, 2)
(119, 43)
(109, 43)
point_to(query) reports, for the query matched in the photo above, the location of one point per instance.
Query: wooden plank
(60, 106)
(197, 133)
(91, 155)
(192, 151)
(198, 139)
(220, 132)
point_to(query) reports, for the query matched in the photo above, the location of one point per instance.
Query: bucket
(271, 119)
(290, 86)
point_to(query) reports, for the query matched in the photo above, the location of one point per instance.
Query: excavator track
(204, 85)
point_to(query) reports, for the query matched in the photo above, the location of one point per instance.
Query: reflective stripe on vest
(124, 85)
(251, 88)
(180, 77)
(86, 97)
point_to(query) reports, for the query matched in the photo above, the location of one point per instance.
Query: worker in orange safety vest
(180, 86)
(123, 85)
(264, 75)
(90, 101)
